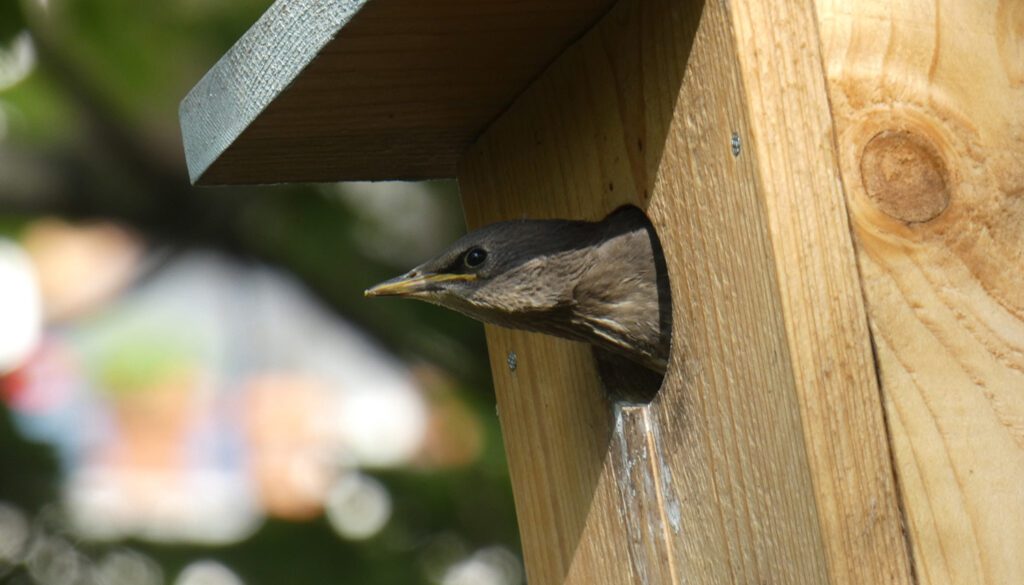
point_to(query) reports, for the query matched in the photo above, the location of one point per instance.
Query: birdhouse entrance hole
(627, 381)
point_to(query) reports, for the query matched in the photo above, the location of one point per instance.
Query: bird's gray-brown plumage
(600, 282)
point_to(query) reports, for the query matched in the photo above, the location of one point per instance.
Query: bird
(601, 282)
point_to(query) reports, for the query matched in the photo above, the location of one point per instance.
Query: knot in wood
(905, 176)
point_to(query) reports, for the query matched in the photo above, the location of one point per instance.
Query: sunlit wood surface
(928, 101)
(765, 459)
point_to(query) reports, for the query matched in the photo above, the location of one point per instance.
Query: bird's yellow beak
(411, 283)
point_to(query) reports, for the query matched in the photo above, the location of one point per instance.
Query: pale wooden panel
(323, 90)
(765, 454)
(791, 131)
(928, 102)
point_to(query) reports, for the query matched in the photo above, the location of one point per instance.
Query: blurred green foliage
(11, 21)
(28, 469)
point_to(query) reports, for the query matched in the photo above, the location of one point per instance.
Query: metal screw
(513, 361)
(735, 142)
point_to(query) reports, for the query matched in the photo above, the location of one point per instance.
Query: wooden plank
(766, 452)
(325, 90)
(646, 503)
(826, 326)
(928, 102)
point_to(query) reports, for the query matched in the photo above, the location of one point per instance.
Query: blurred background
(193, 390)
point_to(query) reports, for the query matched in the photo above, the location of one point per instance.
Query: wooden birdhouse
(838, 187)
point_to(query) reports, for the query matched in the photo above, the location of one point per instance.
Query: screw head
(513, 361)
(735, 143)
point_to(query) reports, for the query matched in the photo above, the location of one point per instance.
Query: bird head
(501, 273)
(602, 282)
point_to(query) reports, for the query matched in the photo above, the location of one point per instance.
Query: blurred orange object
(454, 435)
(80, 266)
(290, 452)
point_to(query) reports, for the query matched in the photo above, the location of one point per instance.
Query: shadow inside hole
(623, 379)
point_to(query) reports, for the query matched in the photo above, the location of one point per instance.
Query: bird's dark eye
(475, 257)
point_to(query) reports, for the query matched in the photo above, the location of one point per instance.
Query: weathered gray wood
(324, 90)
(268, 58)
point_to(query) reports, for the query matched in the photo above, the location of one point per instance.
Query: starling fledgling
(601, 282)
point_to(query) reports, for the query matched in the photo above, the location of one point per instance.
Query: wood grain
(764, 458)
(791, 132)
(928, 102)
(327, 90)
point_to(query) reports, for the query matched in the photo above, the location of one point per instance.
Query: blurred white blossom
(489, 566)
(17, 61)
(399, 222)
(358, 506)
(207, 572)
(20, 306)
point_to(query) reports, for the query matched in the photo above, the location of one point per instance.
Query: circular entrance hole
(636, 377)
